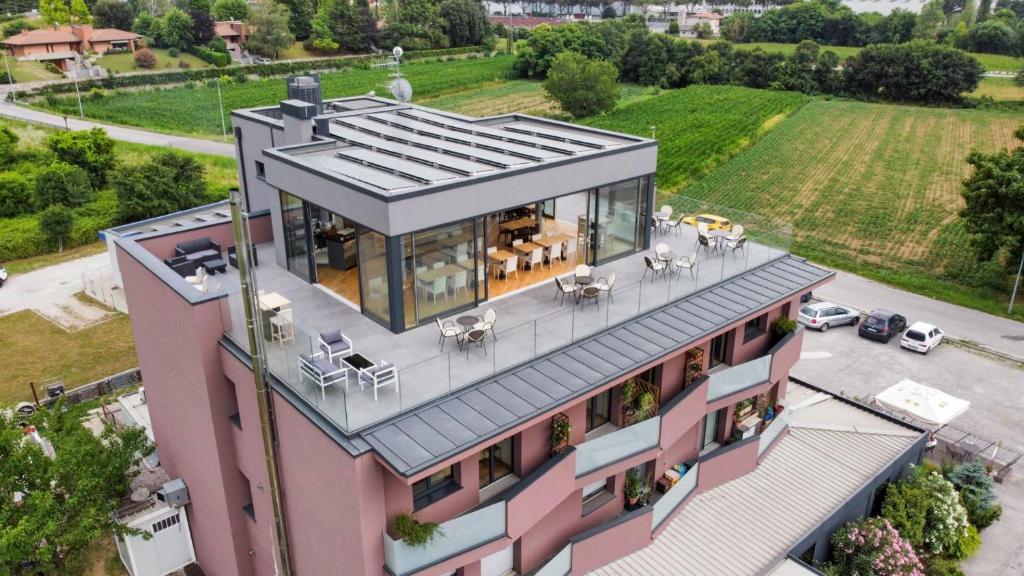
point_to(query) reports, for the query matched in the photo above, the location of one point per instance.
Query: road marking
(815, 355)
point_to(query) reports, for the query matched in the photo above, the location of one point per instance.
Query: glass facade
(617, 219)
(373, 274)
(599, 410)
(438, 271)
(496, 462)
(295, 221)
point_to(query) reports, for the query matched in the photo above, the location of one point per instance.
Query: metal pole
(263, 396)
(1016, 283)
(220, 101)
(10, 79)
(81, 113)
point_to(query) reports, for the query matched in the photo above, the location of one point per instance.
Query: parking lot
(842, 362)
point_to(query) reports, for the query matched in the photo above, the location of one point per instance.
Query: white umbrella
(922, 402)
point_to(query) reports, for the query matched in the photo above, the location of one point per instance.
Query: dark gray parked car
(882, 325)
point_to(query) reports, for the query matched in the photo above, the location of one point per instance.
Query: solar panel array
(407, 148)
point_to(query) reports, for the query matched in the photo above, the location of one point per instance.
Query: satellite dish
(397, 51)
(401, 89)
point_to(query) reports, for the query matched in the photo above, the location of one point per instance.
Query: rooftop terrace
(654, 316)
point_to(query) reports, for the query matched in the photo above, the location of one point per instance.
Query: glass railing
(737, 378)
(668, 503)
(775, 234)
(559, 565)
(623, 443)
(772, 432)
(554, 326)
(454, 537)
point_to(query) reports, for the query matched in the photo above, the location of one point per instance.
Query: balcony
(772, 432)
(456, 536)
(667, 505)
(768, 368)
(618, 446)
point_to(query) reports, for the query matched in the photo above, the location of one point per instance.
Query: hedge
(264, 70)
(22, 238)
(218, 59)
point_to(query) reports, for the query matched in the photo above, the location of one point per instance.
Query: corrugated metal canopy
(832, 450)
(413, 442)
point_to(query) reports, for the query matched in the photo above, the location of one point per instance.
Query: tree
(268, 28)
(916, 71)
(581, 86)
(62, 183)
(230, 10)
(300, 18)
(113, 14)
(54, 12)
(79, 12)
(464, 22)
(15, 194)
(929, 20)
(977, 492)
(201, 5)
(994, 201)
(144, 58)
(92, 150)
(8, 144)
(414, 24)
(322, 34)
(68, 499)
(984, 10)
(992, 37)
(176, 29)
(56, 223)
(168, 182)
(202, 27)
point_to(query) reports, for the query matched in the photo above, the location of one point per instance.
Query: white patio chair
(322, 372)
(511, 265)
(281, 327)
(487, 324)
(563, 288)
(689, 263)
(735, 232)
(535, 259)
(654, 266)
(570, 250)
(379, 376)
(666, 210)
(554, 252)
(334, 345)
(675, 225)
(702, 228)
(458, 282)
(439, 286)
(448, 330)
(606, 284)
(737, 244)
(582, 270)
(660, 249)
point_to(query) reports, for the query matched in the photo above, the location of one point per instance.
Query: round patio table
(590, 293)
(667, 256)
(719, 237)
(467, 321)
(584, 280)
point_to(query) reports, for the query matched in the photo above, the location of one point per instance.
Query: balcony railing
(619, 445)
(738, 378)
(776, 427)
(456, 536)
(669, 503)
(559, 565)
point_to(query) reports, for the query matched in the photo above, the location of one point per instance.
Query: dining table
(499, 257)
(517, 224)
(270, 303)
(431, 274)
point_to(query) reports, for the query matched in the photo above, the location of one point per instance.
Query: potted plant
(694, 367)
(781, 328)
(413, 532)
(636, 490)
(645, 405)
(561, 432)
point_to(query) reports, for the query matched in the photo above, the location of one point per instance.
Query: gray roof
(833, 449)
(413, 442)
(397, 148)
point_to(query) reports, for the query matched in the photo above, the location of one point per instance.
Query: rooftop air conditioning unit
(174, 493)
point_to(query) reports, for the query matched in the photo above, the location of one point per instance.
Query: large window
(719, 348)
(373, 274)
(710, 429)
(617, 219)
(433, 488)
(496, 462)
(439, 274)
(294, 220)
(599, 410)
(755, 327)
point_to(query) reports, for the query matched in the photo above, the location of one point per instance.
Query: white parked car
(921, 337)
(3, 275)
(824, 315)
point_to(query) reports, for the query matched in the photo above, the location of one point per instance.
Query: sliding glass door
(297, 249)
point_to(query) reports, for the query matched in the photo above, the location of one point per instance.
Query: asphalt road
(117, 132)
(842, 362)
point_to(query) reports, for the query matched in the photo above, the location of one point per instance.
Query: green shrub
(906, 508)
(217, 58)
(168, 182)
(965, 546)
(583, 87)
(92, 150)
(873, 546)
(173, 52)
(413, 532)
(62, 183)
(939, 566)
(977, 491)
(8, 144)
(782, 327)
(673, 28)
(145, 58)
(15, 194)
(56, 223)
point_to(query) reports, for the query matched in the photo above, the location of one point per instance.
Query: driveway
(842, 362)
(200, 145)
(994, 333)
(51, 292)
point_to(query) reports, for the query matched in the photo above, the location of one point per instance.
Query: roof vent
(307, 89)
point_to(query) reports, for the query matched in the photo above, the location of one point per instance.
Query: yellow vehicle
(713, 222)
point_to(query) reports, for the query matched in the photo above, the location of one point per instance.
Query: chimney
(307, 89)
(298, 121)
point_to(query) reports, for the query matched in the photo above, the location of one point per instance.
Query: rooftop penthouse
(438, 298)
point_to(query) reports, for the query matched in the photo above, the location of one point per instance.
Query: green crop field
(700, 127)
(989, 61)
(195, 110)
(872, 188)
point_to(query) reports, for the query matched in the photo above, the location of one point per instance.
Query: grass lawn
(121, 63)
(700, 127)
(989, 61)
(36, 349)
(30, 71)
(999, 89)
(162, 109)
(871, 188)
(296, 50)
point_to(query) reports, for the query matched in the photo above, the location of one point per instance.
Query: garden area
(165, 58)
(59, 189)
(928, 523)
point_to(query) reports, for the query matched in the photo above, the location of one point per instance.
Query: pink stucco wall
(678, 420)
(163, 246)
(178, 355)
(785, 357)
(543, 494)
(612, 543)
(730, 465)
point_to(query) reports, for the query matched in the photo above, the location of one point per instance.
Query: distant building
(519, 21)
(232, 31)
(688, 24)
(64, 45)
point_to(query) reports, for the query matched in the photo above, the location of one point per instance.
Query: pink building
(232, 31)
(550, 435)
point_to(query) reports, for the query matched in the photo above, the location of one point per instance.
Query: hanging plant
(694, 366)
(561, 432)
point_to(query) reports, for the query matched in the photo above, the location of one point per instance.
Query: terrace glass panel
(294, 220)
(621, 444)
(617, 219)
(440, 263)
(373, 274)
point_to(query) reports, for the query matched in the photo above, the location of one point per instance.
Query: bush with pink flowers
(873, 547)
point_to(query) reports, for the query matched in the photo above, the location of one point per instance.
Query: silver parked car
(823, 315)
